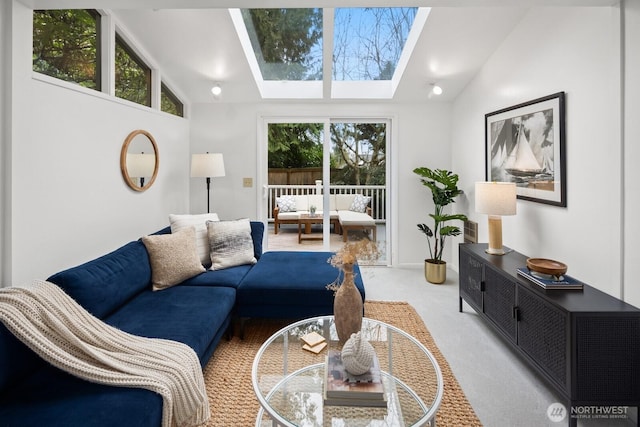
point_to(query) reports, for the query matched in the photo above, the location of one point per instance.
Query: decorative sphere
(357, 355)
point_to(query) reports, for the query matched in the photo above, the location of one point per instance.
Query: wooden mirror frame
(123, 160)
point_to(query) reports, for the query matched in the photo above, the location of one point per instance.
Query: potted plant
(444, 189)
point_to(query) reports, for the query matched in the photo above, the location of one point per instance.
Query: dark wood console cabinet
(584, 342)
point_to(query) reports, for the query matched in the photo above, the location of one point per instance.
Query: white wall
(632, 151)
(422, 137)
(5, 104)
(69, 202)
(575, 50)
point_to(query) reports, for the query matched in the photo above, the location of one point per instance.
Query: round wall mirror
(139, 160)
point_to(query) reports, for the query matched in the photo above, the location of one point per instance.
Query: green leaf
(450, 230)
(425, 229)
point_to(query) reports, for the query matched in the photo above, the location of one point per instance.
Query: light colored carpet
(228, 373)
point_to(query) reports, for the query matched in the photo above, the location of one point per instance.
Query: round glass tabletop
(289, 381)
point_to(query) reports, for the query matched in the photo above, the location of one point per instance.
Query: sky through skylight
(370, 46)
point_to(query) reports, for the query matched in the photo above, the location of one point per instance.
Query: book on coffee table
(341, 401)
(357, 390)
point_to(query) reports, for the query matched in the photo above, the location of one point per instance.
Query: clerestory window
(66, 45)
(133, 76)
(169, 103)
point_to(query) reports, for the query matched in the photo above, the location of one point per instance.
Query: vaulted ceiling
(194, 42)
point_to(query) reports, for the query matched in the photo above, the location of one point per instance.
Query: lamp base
(494, 251)
(495, 236)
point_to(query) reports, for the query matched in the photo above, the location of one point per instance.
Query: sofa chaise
(117, 288)
(346, 212)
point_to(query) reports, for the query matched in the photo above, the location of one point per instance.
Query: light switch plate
(247, 182)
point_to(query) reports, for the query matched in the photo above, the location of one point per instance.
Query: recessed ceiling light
(216, 90)
(437, 90)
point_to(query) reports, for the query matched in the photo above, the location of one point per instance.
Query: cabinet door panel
(470, 279)
(606, 359)
(499, 301)
(542, 333)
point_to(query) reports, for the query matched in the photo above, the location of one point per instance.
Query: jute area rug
(228, 373)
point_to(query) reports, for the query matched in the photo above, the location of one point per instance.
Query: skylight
(287, 43)
(328, 53)
(367, 42)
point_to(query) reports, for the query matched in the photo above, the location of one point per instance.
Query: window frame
(164, 89)
(120, 40)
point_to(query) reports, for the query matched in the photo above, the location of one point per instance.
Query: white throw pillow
(360, 203)
(199, 222)
(230, 243)
(286, 203)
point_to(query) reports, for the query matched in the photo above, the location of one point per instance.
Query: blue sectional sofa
(117, 288)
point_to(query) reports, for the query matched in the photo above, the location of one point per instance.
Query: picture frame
(525, 144)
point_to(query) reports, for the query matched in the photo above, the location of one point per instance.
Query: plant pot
(435, 271)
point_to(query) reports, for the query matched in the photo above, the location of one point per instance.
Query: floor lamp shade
(207, 166)
(496, 199)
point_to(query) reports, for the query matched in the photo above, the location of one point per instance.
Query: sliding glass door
(326, 183)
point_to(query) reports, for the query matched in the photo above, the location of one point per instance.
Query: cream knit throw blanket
(63, 333)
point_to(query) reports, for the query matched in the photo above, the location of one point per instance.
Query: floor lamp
(495, 199)
(207, 166)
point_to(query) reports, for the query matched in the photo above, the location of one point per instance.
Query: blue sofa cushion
(106, 283)
(230, 277)
(16, 360)
(188, 314)
(257, 233)
(290, 285)
(51, 397)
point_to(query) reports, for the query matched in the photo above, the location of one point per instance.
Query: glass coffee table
(288, 380)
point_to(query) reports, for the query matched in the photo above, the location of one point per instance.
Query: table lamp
(495, 199)
(207, 166)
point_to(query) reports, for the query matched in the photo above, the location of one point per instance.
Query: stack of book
(313, 342)
(344, 389)
(550, 282)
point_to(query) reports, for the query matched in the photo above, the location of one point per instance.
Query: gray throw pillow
(286, 203)
(360, 203)
(173, 257)
(230, 243)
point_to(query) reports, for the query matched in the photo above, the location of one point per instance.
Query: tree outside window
(169, 103)
(133, 76)
(65, 45)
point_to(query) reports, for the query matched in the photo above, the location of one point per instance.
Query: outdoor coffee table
(288, 380)
(306, 220)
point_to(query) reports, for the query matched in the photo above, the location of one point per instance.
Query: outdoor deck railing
(376, 192)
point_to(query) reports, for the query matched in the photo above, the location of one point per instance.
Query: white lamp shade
(207, 165)
(496, 198)
(140, 165)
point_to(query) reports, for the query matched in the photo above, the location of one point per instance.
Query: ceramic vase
(347, 306)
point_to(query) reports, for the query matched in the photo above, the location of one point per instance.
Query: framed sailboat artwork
(525, 144)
